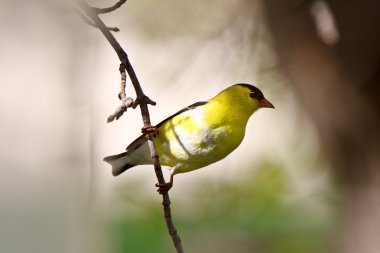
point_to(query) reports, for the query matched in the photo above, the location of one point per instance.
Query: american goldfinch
(198, 135)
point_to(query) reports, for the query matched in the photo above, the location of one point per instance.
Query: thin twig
(87, 21)
(126, 102)
(143, 102)
(109, 9)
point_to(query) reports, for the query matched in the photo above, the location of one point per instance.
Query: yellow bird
(198, 135)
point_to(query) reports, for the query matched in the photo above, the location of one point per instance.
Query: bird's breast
(197, 138)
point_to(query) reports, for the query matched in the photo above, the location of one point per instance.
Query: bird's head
(246, 96)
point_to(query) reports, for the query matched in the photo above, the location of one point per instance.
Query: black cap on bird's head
(258, 95)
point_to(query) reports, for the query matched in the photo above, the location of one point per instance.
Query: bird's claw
(164, 188)
(150, 130)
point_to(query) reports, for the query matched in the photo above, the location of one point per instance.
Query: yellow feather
(206, 134)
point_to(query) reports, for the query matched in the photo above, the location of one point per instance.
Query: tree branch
(142, 101)
(126, 101)
(87, 21)
(109, 9)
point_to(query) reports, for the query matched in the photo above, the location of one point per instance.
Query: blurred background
(305, 179)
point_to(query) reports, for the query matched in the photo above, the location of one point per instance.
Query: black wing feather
(181, 111)
(140, 140)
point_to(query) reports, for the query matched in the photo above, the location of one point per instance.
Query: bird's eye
(253, 95)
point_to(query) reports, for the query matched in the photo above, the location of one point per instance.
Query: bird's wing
(181, 111)
(140, 140)
(136, 143)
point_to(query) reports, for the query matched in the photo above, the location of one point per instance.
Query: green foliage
(252, 215)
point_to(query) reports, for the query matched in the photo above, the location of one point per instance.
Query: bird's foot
(164, 188)
(150, 130)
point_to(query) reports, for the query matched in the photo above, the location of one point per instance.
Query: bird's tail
(119, 163)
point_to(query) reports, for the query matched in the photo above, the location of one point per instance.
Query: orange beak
(264, 103)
